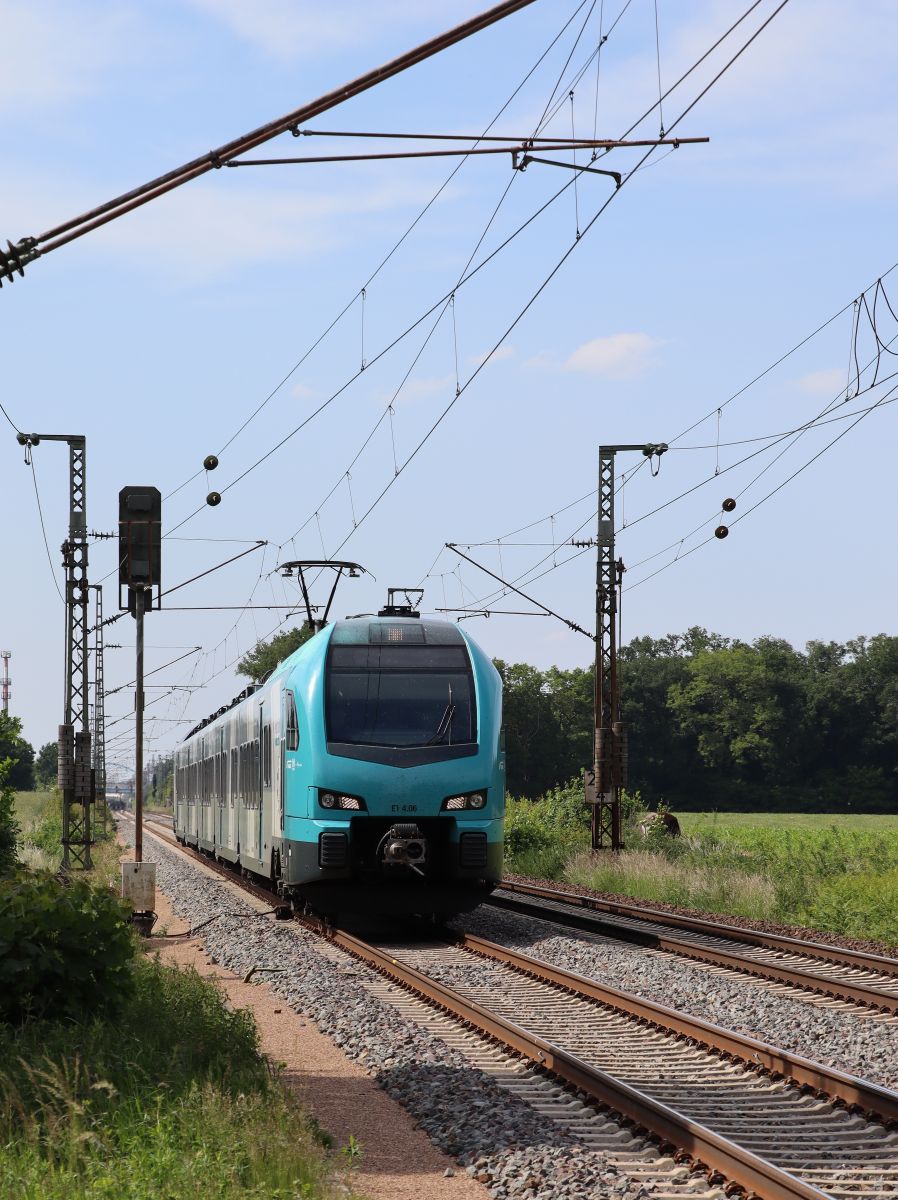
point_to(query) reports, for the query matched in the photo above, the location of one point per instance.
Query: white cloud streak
(828, 382)
(618, 356)
(289, 29)
(55, 52)
(206, 229)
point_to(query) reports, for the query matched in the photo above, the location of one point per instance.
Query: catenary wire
(763, 499)
(565, 256)
(423, 317)
(545, 283)
(40, 513)
(387, 257)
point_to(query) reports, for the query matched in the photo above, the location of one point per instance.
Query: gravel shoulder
(398, 1161)
(495, 1138)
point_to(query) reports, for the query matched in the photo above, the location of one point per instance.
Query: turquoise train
(367, 774)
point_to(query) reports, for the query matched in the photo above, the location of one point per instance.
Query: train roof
(375, 631)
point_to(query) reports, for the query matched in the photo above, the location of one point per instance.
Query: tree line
(717, 723)
(713, 723)
(25, 770)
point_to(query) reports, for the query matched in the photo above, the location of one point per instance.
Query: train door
(265, 809)
(277, 765)
(252, 787)
(222, 838)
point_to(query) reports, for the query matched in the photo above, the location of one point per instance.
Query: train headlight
(339, 800)
(469, 800)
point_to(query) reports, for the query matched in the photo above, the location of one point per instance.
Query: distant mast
(6, 655)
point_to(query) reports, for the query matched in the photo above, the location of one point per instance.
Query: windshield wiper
(444, 726)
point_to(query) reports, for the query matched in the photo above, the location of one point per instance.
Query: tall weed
(653, 875)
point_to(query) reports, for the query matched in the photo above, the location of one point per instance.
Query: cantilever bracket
(552, 162)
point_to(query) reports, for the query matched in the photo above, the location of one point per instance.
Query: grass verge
(173, 1099)
(836, 875)
(40, 841)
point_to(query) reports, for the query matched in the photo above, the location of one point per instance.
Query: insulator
(210, 462)
(14, 259)
(213, 498)
(721, 531)
(729, 504)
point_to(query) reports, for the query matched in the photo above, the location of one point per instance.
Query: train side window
(291, 738)
(266, 756)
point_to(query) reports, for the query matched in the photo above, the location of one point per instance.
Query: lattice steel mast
(610, 743)
(74, 772)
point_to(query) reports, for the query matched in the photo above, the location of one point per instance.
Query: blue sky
(159, 335)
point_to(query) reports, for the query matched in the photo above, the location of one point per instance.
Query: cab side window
(291, 736)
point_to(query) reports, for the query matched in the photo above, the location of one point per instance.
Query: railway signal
(140, 571)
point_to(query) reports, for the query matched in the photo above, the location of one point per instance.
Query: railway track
(761, 1119)
(850, 976)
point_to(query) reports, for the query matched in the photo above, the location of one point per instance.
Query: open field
(833, 873)
(704, 822)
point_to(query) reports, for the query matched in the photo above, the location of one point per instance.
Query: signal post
(140, 553)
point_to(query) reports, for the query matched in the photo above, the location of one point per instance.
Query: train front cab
(393, 772)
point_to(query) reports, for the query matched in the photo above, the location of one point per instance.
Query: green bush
(66, 947)
(46, 833)
(9, 828)
(541, 834)
(860, 906)
(555, 823)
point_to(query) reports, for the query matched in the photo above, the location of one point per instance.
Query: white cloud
(212, 226)
(55, 52)
(298, 28)
(504, 351)
(824, 383)
(619, 356)
(540, 361)
(419, 389)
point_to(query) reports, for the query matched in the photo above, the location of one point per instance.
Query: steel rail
(860, 959)
(810, 981)
(824, 1081)
(717, 1154)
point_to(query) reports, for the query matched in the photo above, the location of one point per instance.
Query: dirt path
(398, 1161)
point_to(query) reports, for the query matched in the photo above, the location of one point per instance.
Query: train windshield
(408, 695)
